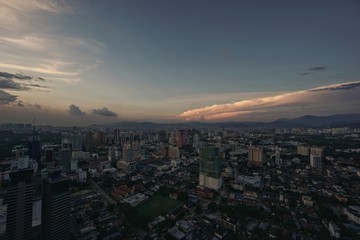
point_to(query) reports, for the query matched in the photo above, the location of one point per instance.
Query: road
(99, 190)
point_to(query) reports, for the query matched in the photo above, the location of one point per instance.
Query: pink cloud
(264, 104)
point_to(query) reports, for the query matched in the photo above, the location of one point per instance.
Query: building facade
(255, 156)
(20, 205)
(210, 168)
(56, 215)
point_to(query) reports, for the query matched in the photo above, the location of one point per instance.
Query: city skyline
(79, 62)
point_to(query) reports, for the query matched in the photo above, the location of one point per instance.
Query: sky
(79, 62)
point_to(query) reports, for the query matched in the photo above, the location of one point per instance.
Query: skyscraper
(55, 207)
(180, 138)
(210, 168)
(20, 203)
(34, 148)
(49, 158)
(65, 155)
(117, 135)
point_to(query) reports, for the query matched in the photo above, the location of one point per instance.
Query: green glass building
(210, 168)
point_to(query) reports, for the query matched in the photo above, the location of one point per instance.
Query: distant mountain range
(321, 121)
(339, 120)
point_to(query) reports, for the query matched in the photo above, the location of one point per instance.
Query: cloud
(58, 57)
(335, 87)
(317, 68)
(37, 85)
(37, 5)
(36, 105)
(104, 112)
(10, 84)
(15, 76)
(19, 81)
(75, 110)
(314, 69)
(6, 98)
(26, 34)
(264, 104)
(20, 104)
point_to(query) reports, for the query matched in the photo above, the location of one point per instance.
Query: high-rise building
(34, 148)
(129, 154)
(55, 214)
(65, 154)
(49, 157)
(255, 156)
(316, 158)
(98, 138)
(180, 138)
(316, 151)
(316, 161)
(278, 159)
(303, 150)
(117, 135)
(20, 204)
(210, 168)
(77, 141)
(174, 152)
(171, 138)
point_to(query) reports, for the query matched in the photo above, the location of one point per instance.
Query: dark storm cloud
(6, 98)
(75, 110)
(10, 84)
(344, 86)
(104, 112)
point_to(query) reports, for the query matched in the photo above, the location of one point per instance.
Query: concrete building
(210, 168)
(316, 151)
(334, 230)
(34, 148)
(353, 213)
(20, 204)
(229, 223)
(316, 158)
(117, 135)
(49, 157)
(278, 159)
(316, 161)
(255, 156)
(180, 138)
(303, 150)
(56, 215)
(174, 152)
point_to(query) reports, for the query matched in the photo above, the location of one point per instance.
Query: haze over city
(84, 62)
